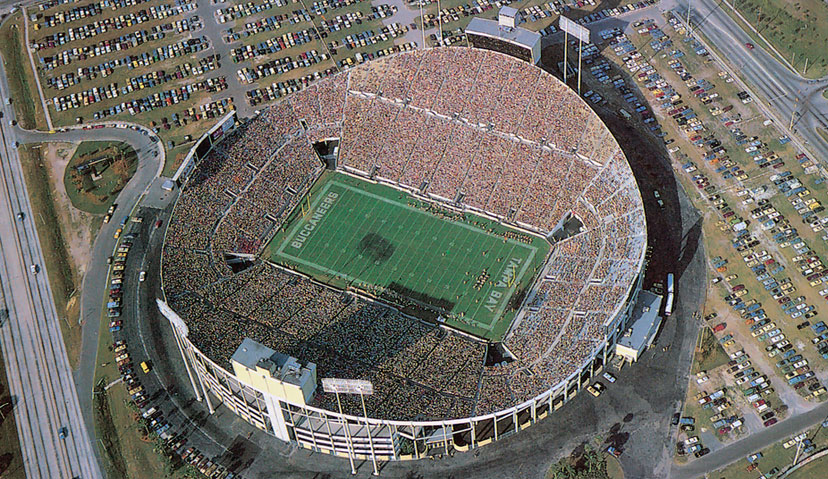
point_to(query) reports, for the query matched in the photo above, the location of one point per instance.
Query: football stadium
(452, 232)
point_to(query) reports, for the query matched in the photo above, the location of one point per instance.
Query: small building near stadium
(645, 323)
(505, 36)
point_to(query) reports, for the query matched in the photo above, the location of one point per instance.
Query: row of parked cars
(273, 45)
(120, 22)
(163, 98)
(151, 414)
(281, 66)
(241, 10)
(368, 37)
(755, 385)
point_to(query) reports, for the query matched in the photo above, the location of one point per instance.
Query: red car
(158, 224)
(749, 45)
(770, 422)
(719, 327)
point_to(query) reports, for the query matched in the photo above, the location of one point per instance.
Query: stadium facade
(277, 391)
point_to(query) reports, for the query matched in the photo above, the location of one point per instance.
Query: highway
(40, 379)
(783, 90)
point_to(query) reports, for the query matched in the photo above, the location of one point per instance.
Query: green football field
(431, 262)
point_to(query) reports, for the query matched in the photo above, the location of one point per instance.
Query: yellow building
(277, 374)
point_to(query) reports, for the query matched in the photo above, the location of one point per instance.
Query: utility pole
(566, 44)
(422, 23)
(440, 21)
(689, 29)
(580, 49)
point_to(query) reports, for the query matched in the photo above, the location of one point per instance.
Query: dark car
(749, 46)
(675, 419)
(702, 452)
(770, 422)
(767, 415)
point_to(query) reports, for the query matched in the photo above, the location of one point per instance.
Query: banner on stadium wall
(578, 31)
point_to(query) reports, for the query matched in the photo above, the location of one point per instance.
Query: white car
(609, 377)
(142, 276)
(35, 268)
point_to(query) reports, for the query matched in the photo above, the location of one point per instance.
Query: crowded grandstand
(472, 131)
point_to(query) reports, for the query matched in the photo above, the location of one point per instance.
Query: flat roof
(508, 11)
(252, 354)
(491, 28)
(645, 316)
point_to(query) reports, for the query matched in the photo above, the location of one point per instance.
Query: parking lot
(539, 15)
(762, 203)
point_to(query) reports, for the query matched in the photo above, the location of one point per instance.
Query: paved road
(755, 442)
(151, 160)
(785, 91)
(40, 378)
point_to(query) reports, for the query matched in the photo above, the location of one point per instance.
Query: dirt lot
(78, 227)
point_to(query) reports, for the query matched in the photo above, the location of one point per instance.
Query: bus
(668, 304)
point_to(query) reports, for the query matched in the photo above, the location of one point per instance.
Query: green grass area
(23, 92)
(110, 166)
(776, 456)
(58, 265)
(813, 470)
(709, 353)
(11, 458)
(795, 28)
(471, 271)
(585, 463)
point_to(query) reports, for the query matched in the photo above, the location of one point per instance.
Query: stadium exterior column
(416, 449)
(186, 365)
(368, 430)
(515, 419)
(206, 394)
(330, 433)
(494, 421)
(394, 434)
(348, 440)
(535, 411)
(473, 434)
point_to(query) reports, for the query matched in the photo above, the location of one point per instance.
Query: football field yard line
(422, 238)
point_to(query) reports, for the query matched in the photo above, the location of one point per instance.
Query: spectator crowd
(469, 128)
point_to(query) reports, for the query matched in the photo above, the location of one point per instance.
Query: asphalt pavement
(54, 439)
(785, 92)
